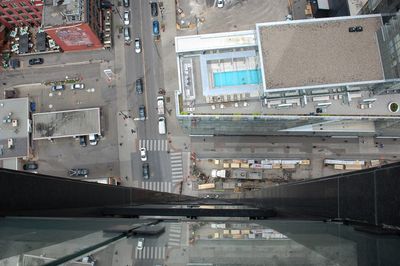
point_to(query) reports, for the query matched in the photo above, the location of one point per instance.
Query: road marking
(157, 186)
(176, 167)
(154, 144)
(151, 252)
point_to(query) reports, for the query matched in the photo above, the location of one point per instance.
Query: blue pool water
(237, 78)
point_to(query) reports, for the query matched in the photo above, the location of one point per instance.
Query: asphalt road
(146, 65)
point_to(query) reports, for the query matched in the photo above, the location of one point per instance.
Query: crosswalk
(175, 230)
(150, 253)
(176, 167)
(157, 186)
(154, 144)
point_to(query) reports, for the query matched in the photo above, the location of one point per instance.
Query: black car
(139, 86)
(154, 9)
(142, 112)
(82, 141)
(126, 3)
(30, 166)
(78, 172)
(356, 29)
(36, 61)
(146, 171)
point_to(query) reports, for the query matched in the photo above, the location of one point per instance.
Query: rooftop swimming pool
(236, 78)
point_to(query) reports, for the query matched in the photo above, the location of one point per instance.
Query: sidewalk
(169, 64)
(179, 141)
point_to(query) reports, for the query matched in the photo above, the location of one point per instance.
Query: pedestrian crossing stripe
(154, 144)
(157, 186)
(150, 253)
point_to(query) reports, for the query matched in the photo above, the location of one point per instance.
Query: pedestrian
(120, 144)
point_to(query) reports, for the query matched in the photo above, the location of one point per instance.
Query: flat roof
(68, 123)
(315, 52)
(69, 12)
(14, 109)
(214, 41)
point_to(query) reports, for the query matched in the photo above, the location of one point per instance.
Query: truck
(206, 186)
(160, 105)
(219, 173)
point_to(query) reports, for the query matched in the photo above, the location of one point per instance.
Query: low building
(14, 128)
(70, 123)
(330, 76)
(74, 24)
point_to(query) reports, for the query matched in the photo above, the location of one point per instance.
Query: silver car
(126, 18)
(127, 35)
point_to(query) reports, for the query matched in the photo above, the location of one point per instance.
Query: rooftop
(214, 41)
(68, 123)
(63, 12)
(343, 104)
(294, 56)
(14, 114)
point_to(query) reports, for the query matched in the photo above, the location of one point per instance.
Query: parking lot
(57, 156)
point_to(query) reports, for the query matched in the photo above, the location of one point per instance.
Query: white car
(143, 155)
(138, 46)
(220, 3)
(77, 86)
(126, 18)
(140, 244)
(93, 139)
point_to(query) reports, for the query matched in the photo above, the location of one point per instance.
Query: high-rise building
(74, 24)
(330, 76)
(346, 219)
(15, 13)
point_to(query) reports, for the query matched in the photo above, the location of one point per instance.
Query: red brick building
(21, 13)
(74, 24)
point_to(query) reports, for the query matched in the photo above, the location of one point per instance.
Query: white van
(161, 125)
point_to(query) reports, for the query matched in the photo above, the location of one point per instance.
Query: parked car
(142, 112)
(93, 138)
(140, 244)
(82, 141)
(126, 3)
(356, 29)
(77, 86)
(15, 63)
(127, 35)
(220, 3)
(138, 46)
(78, 172)
(57, 88)
(143, 154)
(146, 171)
(126, 18)
(30, 166)
(156, 28)
(139, 86)
(36, 61)
(154, 9)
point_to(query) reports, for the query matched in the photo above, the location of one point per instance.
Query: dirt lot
(235, 15)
